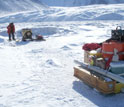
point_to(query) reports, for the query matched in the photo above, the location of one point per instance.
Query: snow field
(40, 74)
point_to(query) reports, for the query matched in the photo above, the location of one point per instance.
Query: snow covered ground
(40, 74)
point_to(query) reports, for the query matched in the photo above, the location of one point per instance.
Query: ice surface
(40, 74)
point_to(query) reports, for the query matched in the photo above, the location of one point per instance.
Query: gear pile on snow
(27, 35)
(103, 66)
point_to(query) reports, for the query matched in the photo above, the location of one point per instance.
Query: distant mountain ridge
(20, 5)
(7, 6)
(79, 2)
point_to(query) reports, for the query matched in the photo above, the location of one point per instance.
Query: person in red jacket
(11, 31)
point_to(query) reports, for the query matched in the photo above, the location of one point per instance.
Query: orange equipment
(108, 49)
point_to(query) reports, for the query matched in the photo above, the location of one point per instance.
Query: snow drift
(91, 12)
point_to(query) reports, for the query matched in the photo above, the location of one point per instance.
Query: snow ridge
(81, 13)
(79, 2)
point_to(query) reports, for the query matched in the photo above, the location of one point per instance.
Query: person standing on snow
(11, 31)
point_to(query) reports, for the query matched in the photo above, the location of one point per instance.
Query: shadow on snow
(99, 99)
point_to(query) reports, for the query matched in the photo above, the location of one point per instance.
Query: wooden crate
(94, 81)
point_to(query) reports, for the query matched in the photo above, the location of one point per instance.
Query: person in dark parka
(11, 31)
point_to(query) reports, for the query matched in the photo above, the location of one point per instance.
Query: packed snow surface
(40, 73)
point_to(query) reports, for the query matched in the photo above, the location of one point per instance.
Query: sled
(97, 70)
(94, 80)
(100, 79)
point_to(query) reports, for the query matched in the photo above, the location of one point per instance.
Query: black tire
(28, 35)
